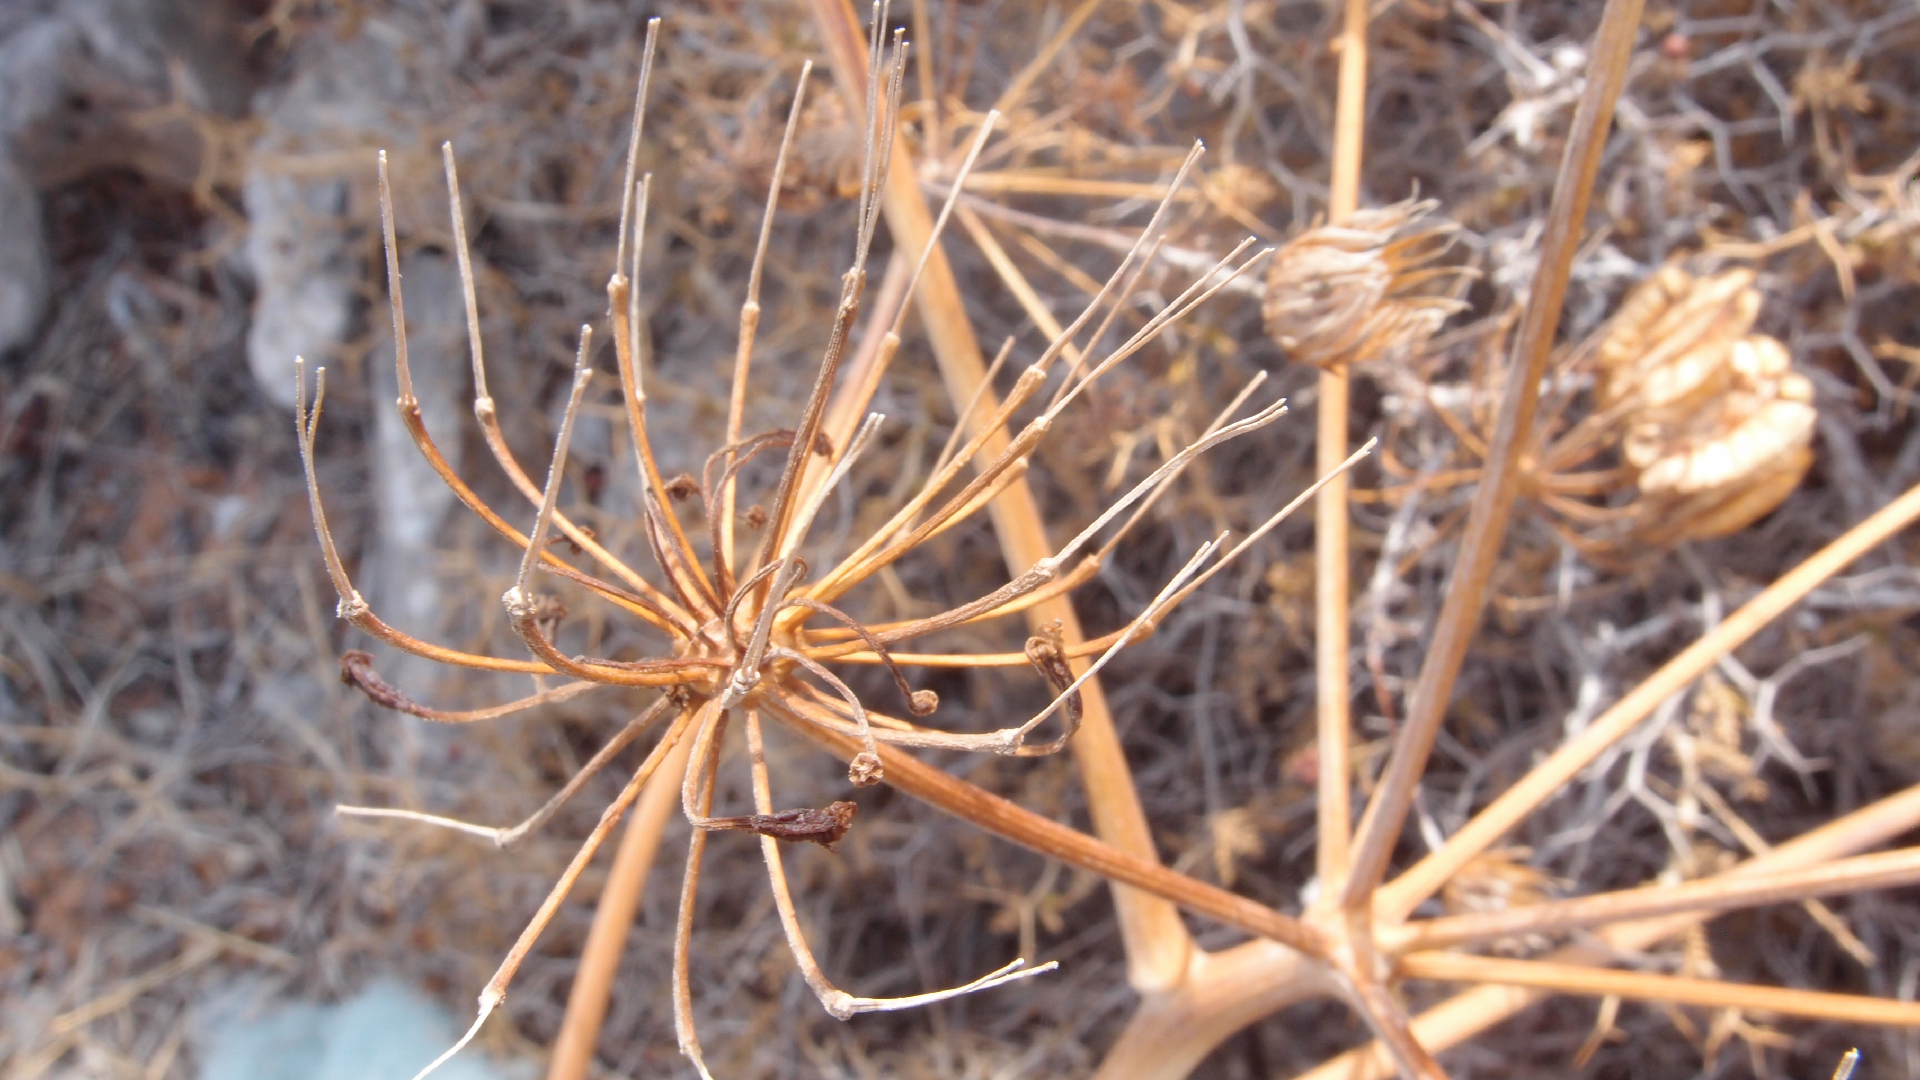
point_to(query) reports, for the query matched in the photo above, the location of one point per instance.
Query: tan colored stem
(1710, 896)
(1008, 820)
(1332, 573)
(1467, 1014)
(613, 918)
(1460, 613)
(1401, 896)
(1157, 942)
(1671, 989)
(1169, 1034)
(496, 988)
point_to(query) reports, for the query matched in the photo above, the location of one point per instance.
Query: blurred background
(187, 201)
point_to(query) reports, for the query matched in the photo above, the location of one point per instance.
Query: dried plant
(1715, 424)
(739, 639)
(1694, 427)
(741, 644)
(1847, 248)
(1366, 287)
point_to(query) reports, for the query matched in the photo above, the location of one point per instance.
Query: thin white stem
(855, 446)
(750, 324)
(864, 769)
(395, 304)
(963, 421)
(556, 471)
(946, 211)
(1166, 472)
(636, 339)
(306, 427)
(1196, 294)
(505, 836)
(1282, 514)
(1153, 611)
(633, 139)
(700, 769)
(838, 1003)
(463, 254)
(1154, 496)
(486, 1009)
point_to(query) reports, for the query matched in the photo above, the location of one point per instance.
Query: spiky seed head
(1368, 287)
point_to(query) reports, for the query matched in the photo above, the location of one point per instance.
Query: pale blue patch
(388, 1031)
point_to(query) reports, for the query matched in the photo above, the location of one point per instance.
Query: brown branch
(356, 670)
(1050, 838)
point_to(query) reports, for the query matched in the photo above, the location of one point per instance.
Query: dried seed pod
(1670, 344)
(1713, 421)
(1748, 448)
(1365, 288)
(1738, 456)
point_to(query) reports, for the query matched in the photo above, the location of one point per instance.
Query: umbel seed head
(1717, 425)
(1368, 287)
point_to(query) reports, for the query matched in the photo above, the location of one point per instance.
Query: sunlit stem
(697, 793)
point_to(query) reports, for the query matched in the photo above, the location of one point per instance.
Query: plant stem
(613, 918)
(1407, 892)
(1380, 828)
(1467, 1014)
(1157, 942)
(1669, 989)
(1332, 573)
(1886, 870)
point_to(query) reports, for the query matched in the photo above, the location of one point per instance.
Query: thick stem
(1886, 870)
(1670, 989)
(1169, 1034)
(1467, 1014)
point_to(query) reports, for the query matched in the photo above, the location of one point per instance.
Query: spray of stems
(750, 634)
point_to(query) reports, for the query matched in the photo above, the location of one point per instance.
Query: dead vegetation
(1640, 707)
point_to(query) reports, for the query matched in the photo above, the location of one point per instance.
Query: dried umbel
(747, 638)
(1368, 287)
(1717, 426)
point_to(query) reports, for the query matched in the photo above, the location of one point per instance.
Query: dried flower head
(1670, 342)
(747, 638)
(1716, 424)
(1368, 287)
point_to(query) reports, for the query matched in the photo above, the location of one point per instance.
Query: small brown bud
(682, 488)
(865, 769)
(756, 517)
